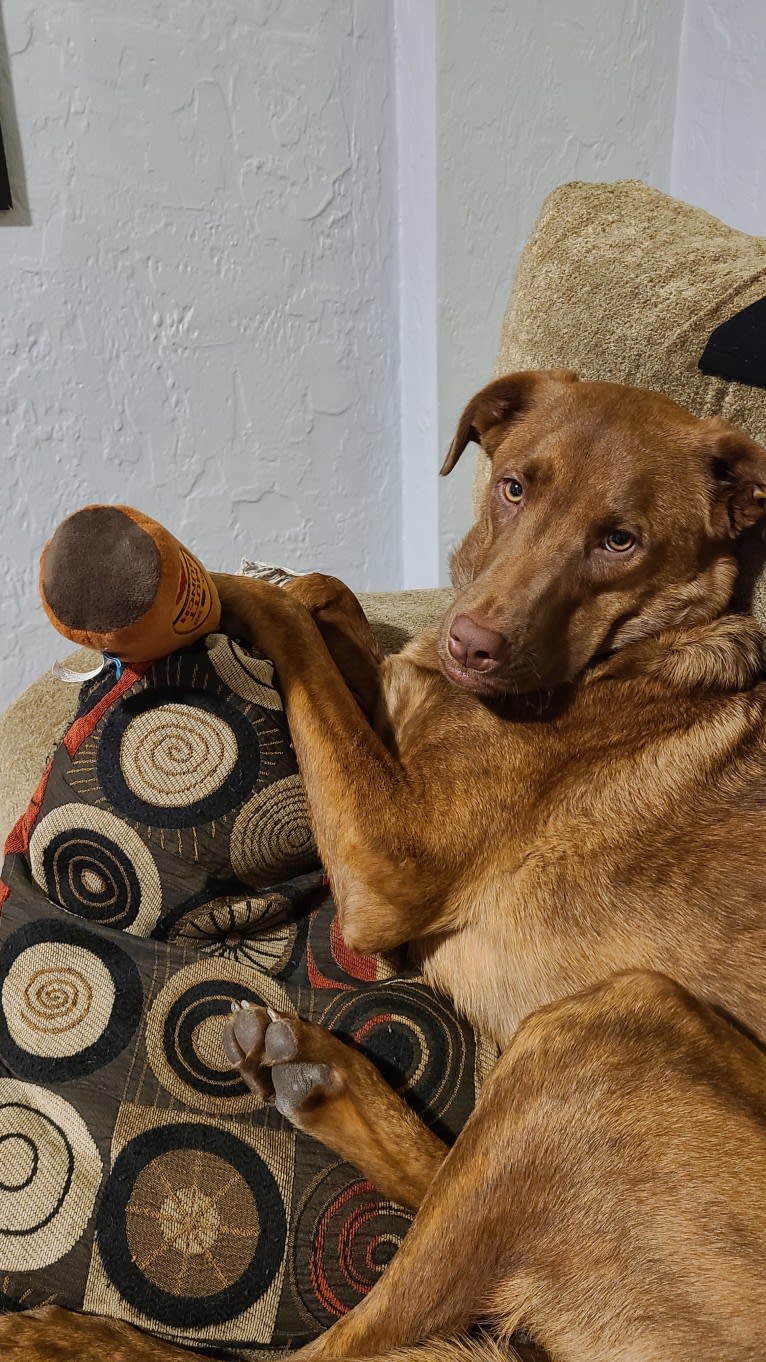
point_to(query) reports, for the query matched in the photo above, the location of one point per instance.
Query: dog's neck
(725, 654)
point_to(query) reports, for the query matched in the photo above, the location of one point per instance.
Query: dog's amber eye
(512, 490)
(619, 541)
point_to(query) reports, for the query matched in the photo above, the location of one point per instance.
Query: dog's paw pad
(243, 1044)
(281, 1041)
(248, 1028)
(297, 1084)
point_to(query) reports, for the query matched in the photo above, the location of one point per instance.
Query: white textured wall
(415, 24)
(202, 310)
(532, 93)
(198, 313)
(719, 144)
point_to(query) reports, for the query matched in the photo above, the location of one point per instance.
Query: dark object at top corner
(736, 350)
(5, 185)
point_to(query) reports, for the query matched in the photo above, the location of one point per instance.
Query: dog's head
(610, 515)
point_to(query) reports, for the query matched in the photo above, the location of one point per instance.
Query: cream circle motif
(176, 755)
(272, 838)
(252, 678)
(256, 931)
(190, 1220)
(184, 1033)
(95, 865)
(57, 999)
(50, 1172)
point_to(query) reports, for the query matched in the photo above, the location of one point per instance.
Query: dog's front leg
(346, 631)
(381, 853)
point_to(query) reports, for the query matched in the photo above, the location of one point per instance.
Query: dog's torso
(623, 831)
(560, 808)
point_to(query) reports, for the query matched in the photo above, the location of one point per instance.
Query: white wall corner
(415, 60)
(719, 138)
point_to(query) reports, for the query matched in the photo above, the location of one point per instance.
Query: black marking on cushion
(736, 350)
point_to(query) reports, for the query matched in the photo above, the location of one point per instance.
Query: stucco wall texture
(198, 312)
(719, 144)
(531, 93)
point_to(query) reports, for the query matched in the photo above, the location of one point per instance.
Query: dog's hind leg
(331, 1091)
(50, 1334)
(604, 1196)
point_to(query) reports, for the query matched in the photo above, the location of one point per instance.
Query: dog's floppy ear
(738, 466)
(502, 400)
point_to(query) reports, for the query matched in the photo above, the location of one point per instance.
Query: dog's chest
(496, 970)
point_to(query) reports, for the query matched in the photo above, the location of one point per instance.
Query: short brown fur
(557, 798)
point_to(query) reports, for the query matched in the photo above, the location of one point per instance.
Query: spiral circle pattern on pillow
(95, 864)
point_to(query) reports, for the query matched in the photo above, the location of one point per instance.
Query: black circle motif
(210, 998)
(52, 1171)
(237, 779)
(416, 1041)
(252, 1198)
(53, 1013)
(88, 874)
(267, 931)
(7, 1184)
(57, 1194)
(345, 1234)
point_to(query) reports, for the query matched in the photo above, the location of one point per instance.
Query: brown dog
(559, 800)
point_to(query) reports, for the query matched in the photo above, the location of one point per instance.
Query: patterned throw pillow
(166, 868)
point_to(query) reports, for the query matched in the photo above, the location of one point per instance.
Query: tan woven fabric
(29, 731)
(623, 283)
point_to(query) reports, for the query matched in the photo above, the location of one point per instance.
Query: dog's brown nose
(474, 646)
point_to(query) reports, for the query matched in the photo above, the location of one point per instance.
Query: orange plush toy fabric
(113, 579)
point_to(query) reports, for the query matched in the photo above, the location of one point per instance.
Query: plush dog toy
(113, 579)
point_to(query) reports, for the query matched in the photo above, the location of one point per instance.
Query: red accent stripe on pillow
(381, 1020)
(17, 841)
(82, 728)
(355, 963)
(319, 980)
